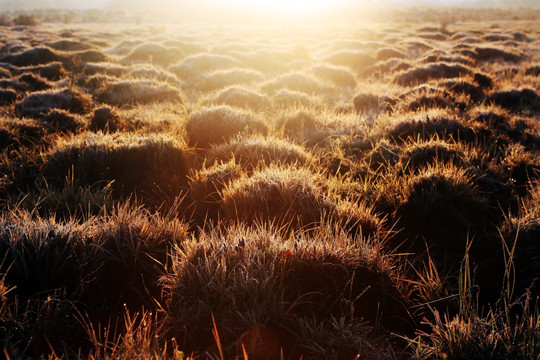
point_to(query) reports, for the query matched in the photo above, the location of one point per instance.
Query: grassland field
(349, 190)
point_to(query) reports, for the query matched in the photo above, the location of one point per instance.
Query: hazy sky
(161, 4)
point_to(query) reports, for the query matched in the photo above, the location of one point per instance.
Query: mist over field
(171, 4)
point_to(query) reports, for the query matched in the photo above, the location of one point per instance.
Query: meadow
(357, 190)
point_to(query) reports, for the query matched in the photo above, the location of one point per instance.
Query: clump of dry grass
(364, 102)
(421, 74)
(33, 83)
(69, 45)
(61, 270)
(282, 195)
(53, 71)
(94, 56)
(419, 155)
(218, 124)
(259, 151)
(64, 122)
(463, 87)
(296, 82)
(105, 119)
(240, 97)
(293, 198)
(204, 194)
(442, 206)
(440, 126)
(516, 100)
(34, 56)
(138, 92)
(154, 53)
(390, 53)
(223, 78)
(288, 98)
(308, 280)
(356, 60)
(150, 165)
(8, 97)
(197, 65)
(42, 102)
(495, 54)
(339, 75)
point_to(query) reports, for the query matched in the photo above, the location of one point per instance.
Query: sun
(284, 7)
(291, 5)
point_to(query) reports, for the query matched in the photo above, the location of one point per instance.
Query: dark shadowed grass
(152, 166)
(257, 281)
(42, 102)
(421, 74)
(61, 271)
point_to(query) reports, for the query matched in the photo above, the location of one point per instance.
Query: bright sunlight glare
(291, 7)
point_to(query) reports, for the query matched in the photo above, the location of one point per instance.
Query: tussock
(241, 97)
(138, 92)
(218, 124)
(34, 56)
(41, 102)
(154, 53)
(422, 74)
(257, 151)
(146, 164)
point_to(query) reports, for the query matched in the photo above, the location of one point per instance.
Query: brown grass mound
(463, 87)
(442, 206)
(356, 60)
(53, 71)
(204, 194)
(35, 56)
(289, 98)
(533, 70)
(339, 75)
(494, 54)
(42, 102)
(418, 155)
(226, 269)
(105, 119)
(241, 97)
(196, 65)
(222, 78)
(4, 73)
(149, 165)
(284, 195)
(296, 82)
(441, 127)
(390, 53)
(116, 70)
(300, 125)
(422, 74)
(154, 53)
(62, 121)
(7, 97)
(364, 102)
(218, 124)
(32, 83)
(425, 102)
(258, 151)
(516, 100)
(92, 56)
(292, 197)
(69, 45)
(138, 92)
